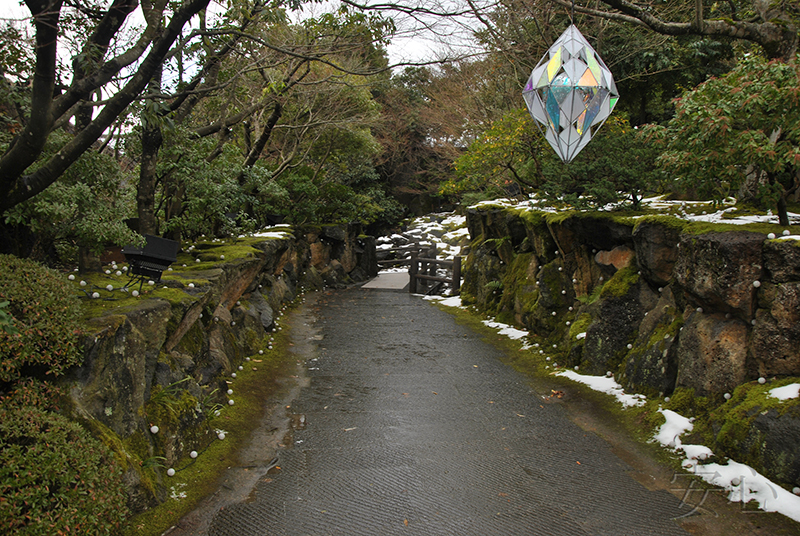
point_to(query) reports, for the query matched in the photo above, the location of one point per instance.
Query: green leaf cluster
(733, 128)
(54, 477)
(85, 207)
(45, 312)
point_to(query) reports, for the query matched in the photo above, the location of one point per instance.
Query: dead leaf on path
(434, 392)
(520, 415)
(350, 429)
(502, 494)
(405, 522)
(557, 394)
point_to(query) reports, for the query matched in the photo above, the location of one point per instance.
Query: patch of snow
(670, 432)
(605, 385)
(745, 484)
(786, 392)
(789, 237)
(742, 482)
(452, 301)
(505, 329)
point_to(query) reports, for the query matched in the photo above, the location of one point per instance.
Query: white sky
(418, 38)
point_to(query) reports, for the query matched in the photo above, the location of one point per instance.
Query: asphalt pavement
(410, 424)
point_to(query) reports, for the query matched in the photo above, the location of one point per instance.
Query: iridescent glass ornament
(570, 93)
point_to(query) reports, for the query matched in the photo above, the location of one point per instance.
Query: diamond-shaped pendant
(570, 93)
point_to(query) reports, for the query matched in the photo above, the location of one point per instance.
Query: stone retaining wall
(164, 360)
(655, 302)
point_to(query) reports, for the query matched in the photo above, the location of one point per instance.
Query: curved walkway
(411, 425)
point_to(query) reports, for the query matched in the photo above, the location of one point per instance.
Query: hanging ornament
(570, 93)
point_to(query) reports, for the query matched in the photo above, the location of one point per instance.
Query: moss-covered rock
(760, 430)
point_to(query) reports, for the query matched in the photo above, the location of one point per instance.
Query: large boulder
(656, 250)
(775, 343)
(617, 323)
(115, 378)
(782, 260)
(712, 353)
(652, 364)
(717, 271)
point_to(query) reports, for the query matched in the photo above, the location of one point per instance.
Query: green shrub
(32, 392)
(46, 312)
(55, 478)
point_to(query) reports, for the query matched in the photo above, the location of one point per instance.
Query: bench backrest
(161, 248)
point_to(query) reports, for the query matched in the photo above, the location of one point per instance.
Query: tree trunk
(783, 213)
(151, 144)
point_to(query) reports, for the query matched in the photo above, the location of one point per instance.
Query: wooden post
(456, 274)
(412, 272)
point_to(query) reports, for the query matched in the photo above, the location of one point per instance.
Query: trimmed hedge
(46, 312)
(54, 478)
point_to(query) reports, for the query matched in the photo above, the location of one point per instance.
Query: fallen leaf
(491, 401)
(520, 415)
(405, 522)
(578, 463)
(350, 429)
(502, 494)
(434, 392)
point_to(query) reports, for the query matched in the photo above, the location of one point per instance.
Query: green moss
(580, 325)
(684, 402)
(664, 331)
(698, 228)
(620, 283)
(747, 402)
(667, 221)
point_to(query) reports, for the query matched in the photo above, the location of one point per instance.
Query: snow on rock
(786, 392)
(605, 385)
(742, 482)
(745, 484)
(276, 231)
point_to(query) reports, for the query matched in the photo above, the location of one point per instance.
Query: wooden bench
(150, 261)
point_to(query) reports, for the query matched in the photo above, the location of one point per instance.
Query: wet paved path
(414, 427)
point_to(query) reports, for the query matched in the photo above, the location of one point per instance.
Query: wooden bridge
(423, 268)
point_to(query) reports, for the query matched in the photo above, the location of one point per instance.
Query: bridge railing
(423, 268)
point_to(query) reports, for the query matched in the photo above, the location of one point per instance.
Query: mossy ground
(192, 268)
(199, 477)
